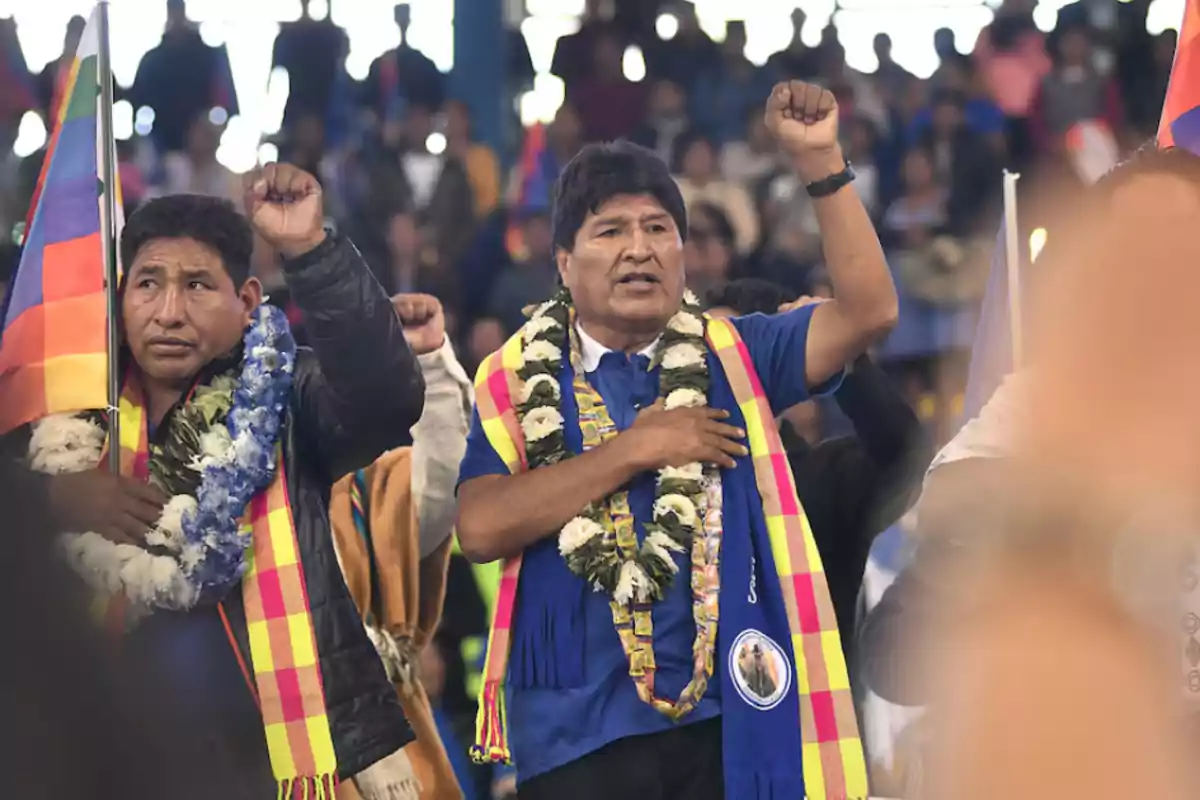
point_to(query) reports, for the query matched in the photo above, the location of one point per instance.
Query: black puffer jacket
(357, 392)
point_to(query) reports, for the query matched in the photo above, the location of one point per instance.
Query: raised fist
(803, 117)
(284, 205)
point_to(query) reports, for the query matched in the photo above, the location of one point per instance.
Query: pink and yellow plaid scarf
(834, 765)
(283, 643)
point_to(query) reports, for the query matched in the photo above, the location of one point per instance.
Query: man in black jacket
(852, 488)
(187, 302)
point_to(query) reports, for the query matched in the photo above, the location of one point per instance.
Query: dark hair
(949, 97)
(211, 221)
(750, 296)
(600, 172)
(683, 143)
(722, 228)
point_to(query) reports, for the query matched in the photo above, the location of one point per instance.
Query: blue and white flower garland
(204, 539)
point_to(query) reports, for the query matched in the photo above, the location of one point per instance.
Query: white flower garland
(234, 457)
(588, 548)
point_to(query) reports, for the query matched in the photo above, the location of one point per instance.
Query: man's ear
(561, 259)
(251, 295)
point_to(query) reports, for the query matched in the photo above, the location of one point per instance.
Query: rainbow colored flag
(1180, 124)
(53, 344)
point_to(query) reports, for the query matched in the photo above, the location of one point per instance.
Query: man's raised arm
(365, 390)
(804, 119)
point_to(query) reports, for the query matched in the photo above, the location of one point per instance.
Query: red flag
(1180, 125)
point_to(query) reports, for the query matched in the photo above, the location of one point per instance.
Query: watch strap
(831, 184)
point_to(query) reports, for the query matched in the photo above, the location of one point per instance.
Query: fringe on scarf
(491, 728)
(323, 787)
(759, 786)
(549, 629)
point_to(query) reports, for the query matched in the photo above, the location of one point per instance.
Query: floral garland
(218, 453)
(586, 542)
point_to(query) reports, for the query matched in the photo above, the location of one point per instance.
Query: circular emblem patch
(760, 670)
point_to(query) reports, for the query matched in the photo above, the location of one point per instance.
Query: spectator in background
(856, 92)
(574, 54)
(980, 112)
(195, 169)
(1074, 91)
(686, 55)
(610, 105)
(862, 142)
(920, 212)
(402, 76)
(695, 167)
(710, 257)
(51, 81)
(530, 279)
(725, 94)
(750, 159)
(406, 174)
(18, 92)
(531, 188)
(180, 79)
(486, 337)
(479, 160)
(947, 53)
(306, 146)
(311, 52)
(797, 60)
(666, 119)
(412, 265)
(890, 77)
(963, 162)
(1011, 56)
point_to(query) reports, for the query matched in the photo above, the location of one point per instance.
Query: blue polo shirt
(552, 727)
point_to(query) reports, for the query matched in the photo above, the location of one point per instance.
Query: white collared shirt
(591, 351)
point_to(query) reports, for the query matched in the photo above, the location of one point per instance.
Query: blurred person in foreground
(392, 523)
(1041, 617)
(77, 722)
(851, 487)
(223, 419)
(599, 460)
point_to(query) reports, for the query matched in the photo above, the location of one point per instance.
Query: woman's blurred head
(709, 252)
(695, 158)
(918, 170)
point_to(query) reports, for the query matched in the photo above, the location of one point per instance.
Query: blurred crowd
(435, 211)
(438, 212)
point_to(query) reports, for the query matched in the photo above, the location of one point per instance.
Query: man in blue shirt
(578, 723)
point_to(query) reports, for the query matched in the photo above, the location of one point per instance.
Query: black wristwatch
(827, 186)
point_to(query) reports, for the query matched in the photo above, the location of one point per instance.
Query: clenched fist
(803, 118)
(423, 319)
(284, 205)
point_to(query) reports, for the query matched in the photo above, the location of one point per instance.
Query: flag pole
(1012, 256)
(108, 234)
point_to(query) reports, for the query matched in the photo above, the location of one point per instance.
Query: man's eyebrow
(653, 216)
